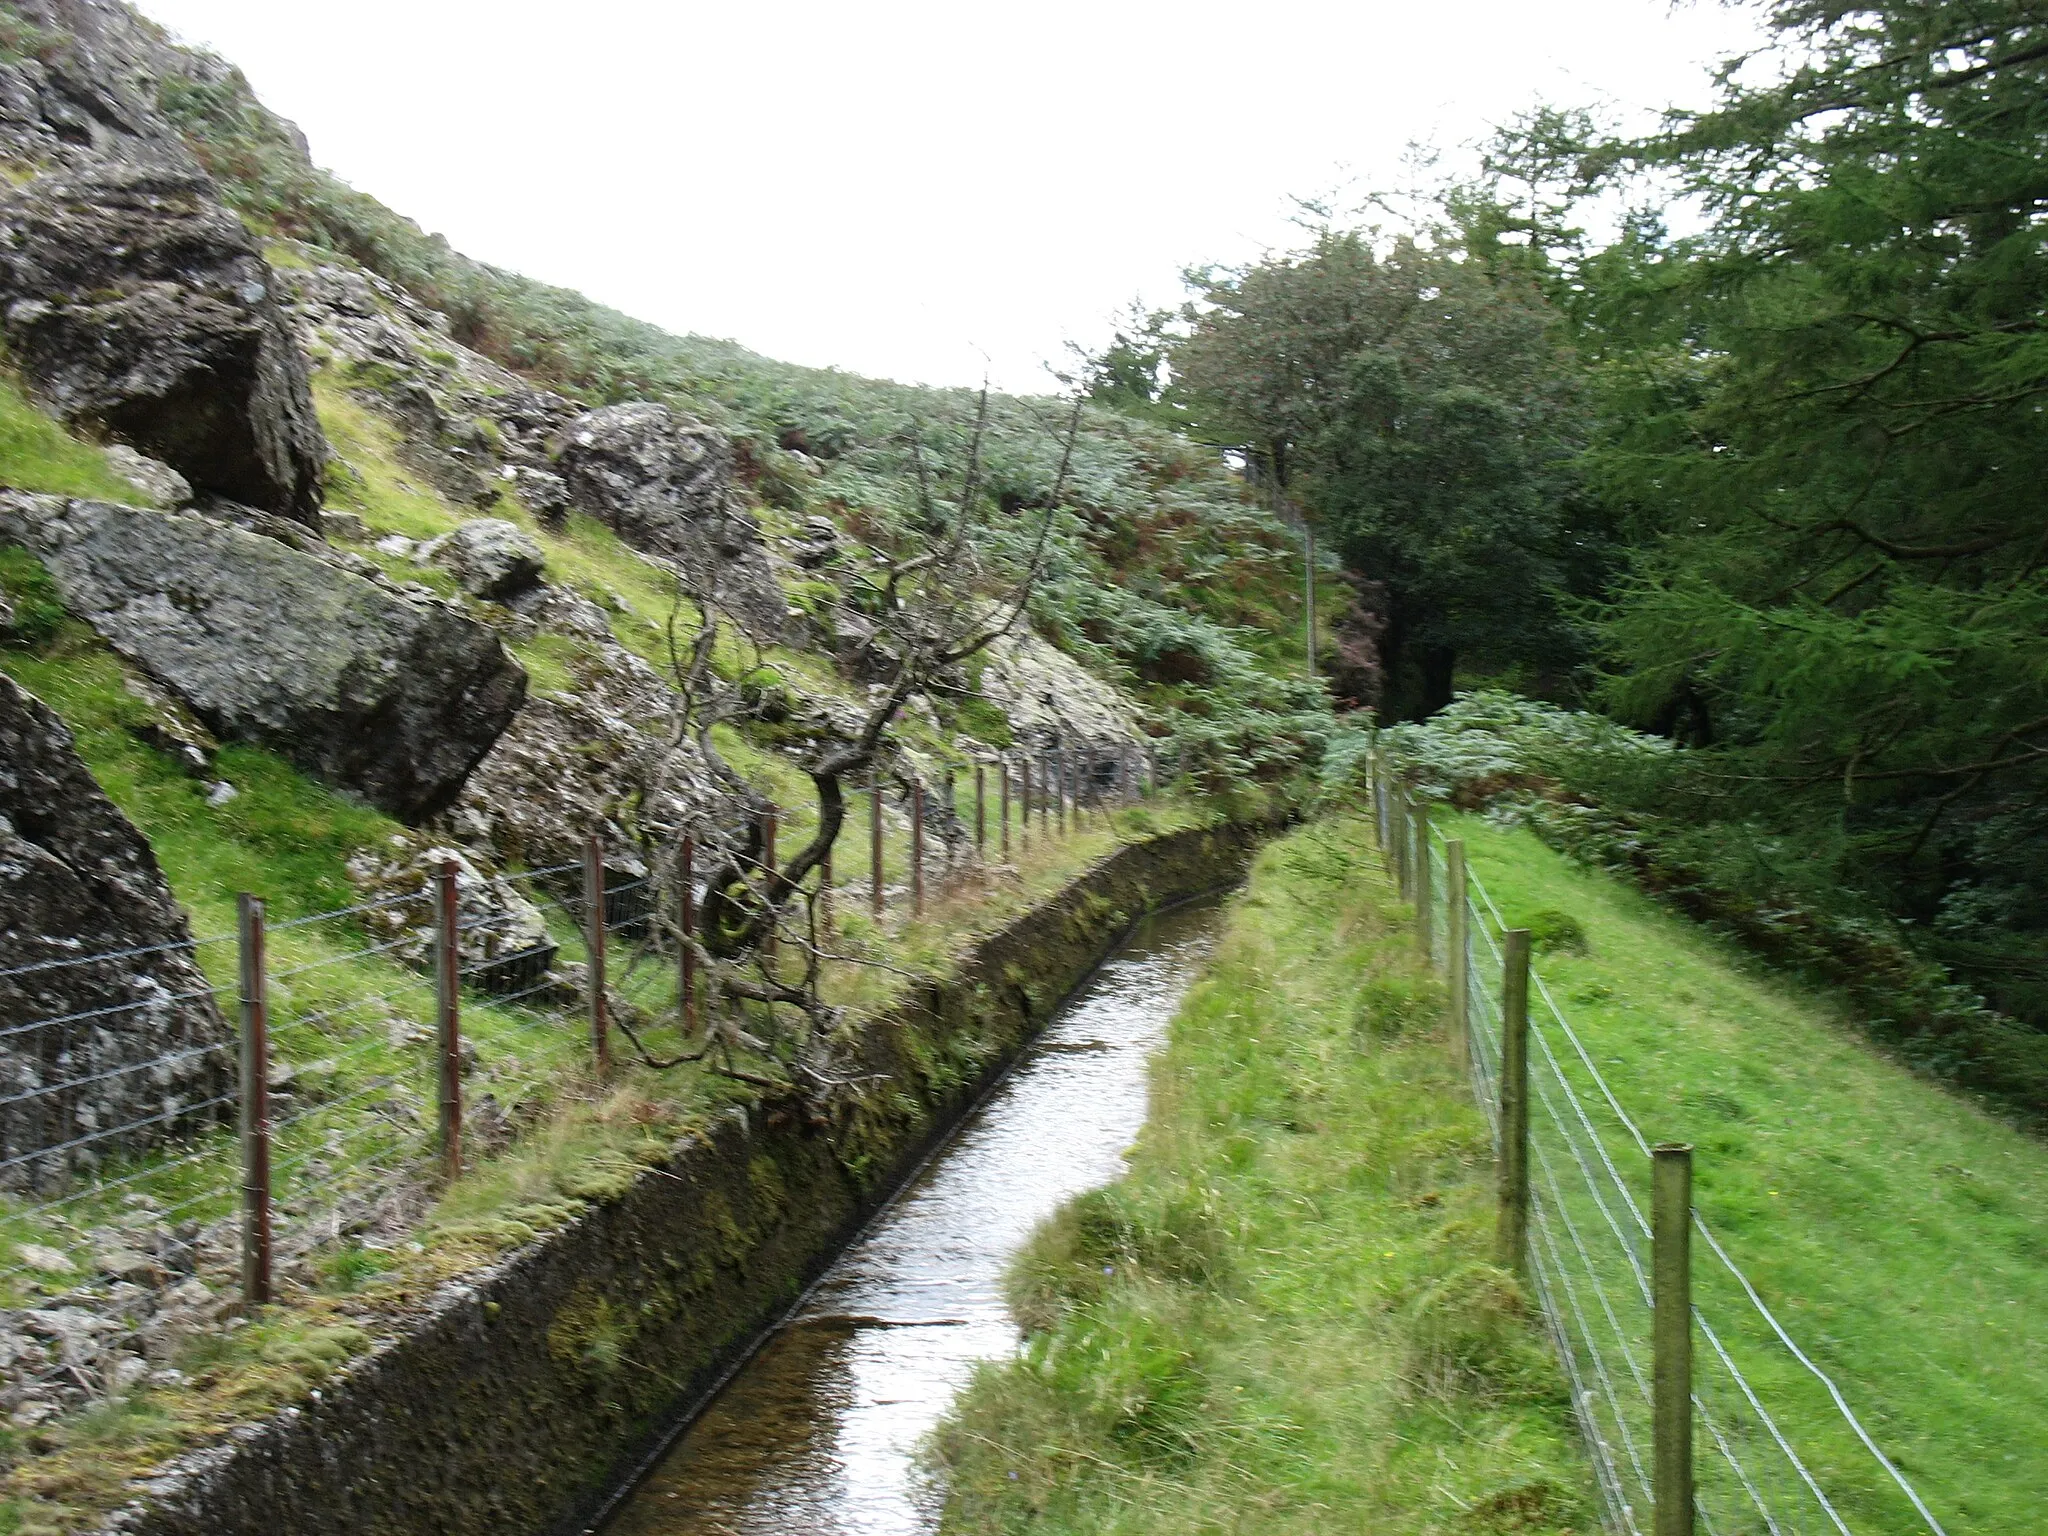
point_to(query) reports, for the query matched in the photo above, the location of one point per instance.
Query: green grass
(1283, 1318)
(37, 454)
(1898, 1230)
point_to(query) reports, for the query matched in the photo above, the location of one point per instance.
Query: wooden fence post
(917, 847)
(255, 1101)
(1671, 1340)
(1425, 880)
(980, 811)
(875, 840)
(1458, 946)
(686, 958)
(1512, 1231)
(594, 940)
(1024, 805)
(448, 998)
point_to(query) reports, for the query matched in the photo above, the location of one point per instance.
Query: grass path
(1899, 1231)
(1282, 1319)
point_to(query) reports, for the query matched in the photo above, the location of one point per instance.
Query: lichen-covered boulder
(138, 305)
(489, 558)
(501, 937)
(665, 485)
(387, 692)
(98, 989)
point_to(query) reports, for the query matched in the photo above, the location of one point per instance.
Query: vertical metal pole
(825, 885)
(1457, 947)
(1045, 794)
(1024, 805)
(875, 840)
(594, 939)
(1003, 788)
(1067, 806)
(1425, 878)
(255, 1103)
(981, 810)
(448, 995)
(1512, 1232)
(686, 980)
(1671, 1338)
(917, 847)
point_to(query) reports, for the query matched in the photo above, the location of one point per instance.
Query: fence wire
(1756, 1468)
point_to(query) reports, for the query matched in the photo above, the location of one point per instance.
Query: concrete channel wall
(528, 1391)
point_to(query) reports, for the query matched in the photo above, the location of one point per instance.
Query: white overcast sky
(922, 191)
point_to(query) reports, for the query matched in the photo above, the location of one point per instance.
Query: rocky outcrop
(135, 1037)
(665, 485)
(587, 761)
(1051, 699)
(132, 299)
(386, 692)
(137, 305)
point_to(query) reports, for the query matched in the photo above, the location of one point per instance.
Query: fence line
(1585, 1250)
(362, 1088)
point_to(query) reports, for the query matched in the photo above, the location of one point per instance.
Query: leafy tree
(1836, 457)
(1420, 408)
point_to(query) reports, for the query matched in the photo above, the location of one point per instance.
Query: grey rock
(396, 545)
(392, 696)
(504, 940)
(221, 793)
(124, 1371)
(545, 493)
(819, 545)
(346, 526)
(136, 304)
(46, 1261)
(163, 485)
(125, 1264)
(141, 1039)
(665, 485)
(489, 558)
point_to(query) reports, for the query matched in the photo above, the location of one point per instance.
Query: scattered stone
(819, 544)
(489, 558)
(78, 881)
(396, 545)
(31, 1412)
(124, 1371)
(220, 793)
(163, 485)
(393, 697)
(47, 1261)
(126, 1264)
(345, 526)
(505, 944)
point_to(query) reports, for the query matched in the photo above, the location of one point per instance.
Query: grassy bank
(1898, 1230)
(1283, 1318)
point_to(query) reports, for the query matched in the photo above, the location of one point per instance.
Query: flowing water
(817, 1435)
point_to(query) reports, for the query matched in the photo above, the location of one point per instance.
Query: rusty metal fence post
(981, 810)
(448, 1015)
(255, 1101)
(594, 938)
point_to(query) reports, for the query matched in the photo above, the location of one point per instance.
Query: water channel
(818, 1433)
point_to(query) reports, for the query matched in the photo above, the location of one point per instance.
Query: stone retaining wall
(532, 1388)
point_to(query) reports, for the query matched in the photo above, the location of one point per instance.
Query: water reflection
(817, 1434)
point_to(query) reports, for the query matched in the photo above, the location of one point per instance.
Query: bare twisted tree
(759, 938)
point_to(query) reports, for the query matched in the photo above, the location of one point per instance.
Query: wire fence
(1776, 1446)
(394, 1041)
